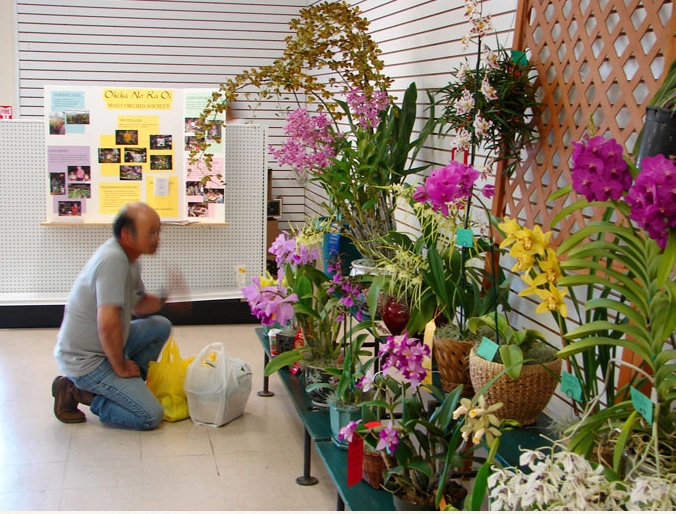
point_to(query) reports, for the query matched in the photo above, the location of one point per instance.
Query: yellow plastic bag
(166, 378)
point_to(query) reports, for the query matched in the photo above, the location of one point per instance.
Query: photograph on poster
(161, 162)
(77, 117)
(191, 125)
(198, 209)
(135, 155)
(194, 188)
(214, 195)
(57, 183)
(80, 191)
(126, 137)
(70, 208)
(160, 142)
(109, 155)
(192, 143)
(131, 172)
(57, 123)
(79, 173)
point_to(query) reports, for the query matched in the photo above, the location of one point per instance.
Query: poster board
(107, 146)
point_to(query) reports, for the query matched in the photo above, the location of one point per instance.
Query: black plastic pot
(659, 135)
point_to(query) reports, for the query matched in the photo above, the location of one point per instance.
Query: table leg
(340, 504)
(307, 479)
(266, 380)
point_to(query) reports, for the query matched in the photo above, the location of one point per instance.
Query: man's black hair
(122, 220)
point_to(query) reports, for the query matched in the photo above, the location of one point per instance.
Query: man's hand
(128, 369)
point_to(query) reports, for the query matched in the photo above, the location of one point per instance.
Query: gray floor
(249, 464)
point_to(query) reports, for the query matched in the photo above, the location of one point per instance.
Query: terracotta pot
(373, 467)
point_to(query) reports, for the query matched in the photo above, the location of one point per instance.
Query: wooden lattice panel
(595, 60)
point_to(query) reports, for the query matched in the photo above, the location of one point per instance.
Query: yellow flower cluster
(480, 421)
(537, 263)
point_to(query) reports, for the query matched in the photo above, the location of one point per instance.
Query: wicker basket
(372, 468)
(525, 398)
(452, 358)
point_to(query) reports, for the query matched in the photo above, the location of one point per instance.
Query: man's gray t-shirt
(108, 278)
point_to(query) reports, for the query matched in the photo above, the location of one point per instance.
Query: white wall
(199, 44)
(8, 80)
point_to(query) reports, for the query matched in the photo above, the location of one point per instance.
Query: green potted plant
(628, 256)
(358, 161)
(315, 302)
(441, 280)
(423, 433)
(529, 363)
(344, 398)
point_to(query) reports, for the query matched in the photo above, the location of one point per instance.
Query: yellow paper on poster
(113, 195)
(120, 98)
(162, 195)
(109, 156)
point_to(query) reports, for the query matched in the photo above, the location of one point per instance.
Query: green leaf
(475, 499)
(592, 342)
(512, 358)
(285, 359)
(613, 305)
(621, 442)
(668, 259)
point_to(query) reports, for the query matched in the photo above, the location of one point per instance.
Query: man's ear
(127, 234)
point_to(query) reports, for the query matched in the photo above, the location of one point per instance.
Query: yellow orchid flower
(511, 228)
(550, 266)
(532, 241)
(524, 262)
(534, 283)
(553, 300)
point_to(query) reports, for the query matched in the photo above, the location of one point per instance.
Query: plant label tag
(464, 237)
(487, 349)
(571, 386)
(642, 404)
(355, 460)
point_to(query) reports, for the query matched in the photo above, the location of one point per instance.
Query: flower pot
(395, 314)
(340, 417)
(455, 494)
(314, 375)
(452, 359)
(659, 134)
(524, 398)
(373, 467)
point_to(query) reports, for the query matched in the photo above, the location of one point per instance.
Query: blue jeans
(128, 401)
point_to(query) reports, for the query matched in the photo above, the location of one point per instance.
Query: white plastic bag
(217, 386)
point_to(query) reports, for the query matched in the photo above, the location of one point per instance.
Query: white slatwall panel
(38, 264)
(177, 44)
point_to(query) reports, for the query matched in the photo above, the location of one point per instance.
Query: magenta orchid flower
(451, 185)
(346, 433)
(388, 439)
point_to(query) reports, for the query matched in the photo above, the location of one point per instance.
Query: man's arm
(110, 334)
(149, 304)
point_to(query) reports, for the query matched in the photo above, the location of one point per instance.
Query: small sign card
(464, 237)
(487, 349)
(642, 404)
(571, 386)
